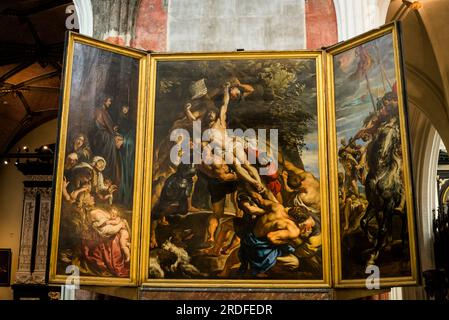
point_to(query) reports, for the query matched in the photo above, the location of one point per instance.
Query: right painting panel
(372, 198)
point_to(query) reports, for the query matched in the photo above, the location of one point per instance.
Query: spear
(365, 63)
(370, 93)
(382, 70)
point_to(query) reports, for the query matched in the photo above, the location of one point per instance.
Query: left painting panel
(97, 193)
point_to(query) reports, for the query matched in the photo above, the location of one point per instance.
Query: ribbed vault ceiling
(31, 50)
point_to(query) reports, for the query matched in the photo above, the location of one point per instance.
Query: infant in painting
(109, 224)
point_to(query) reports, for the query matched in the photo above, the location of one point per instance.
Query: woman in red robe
(100, 256)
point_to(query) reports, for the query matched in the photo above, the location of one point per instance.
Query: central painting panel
(236, 180)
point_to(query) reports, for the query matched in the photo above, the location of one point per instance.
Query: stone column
(35, 230)
(23, 273)
(40, 261)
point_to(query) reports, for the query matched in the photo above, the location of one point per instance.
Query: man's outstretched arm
(188, 112)
(253, 209)
(224, 107)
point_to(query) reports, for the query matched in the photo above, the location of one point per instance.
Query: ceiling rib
(40, 89)
(36, 79)
(22, 57)
(25, 103)
(15, 70)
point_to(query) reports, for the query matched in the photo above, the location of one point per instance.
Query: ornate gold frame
(321, 120)
(333, 161)
(73, 38)
(328, 162)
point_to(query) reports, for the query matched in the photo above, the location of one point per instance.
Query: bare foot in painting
(224, 273)
(193, 209)
(127, 257)
(398, 210)
(228, 249)
(259, 187)
(163, 221)
(372, 260)
(153, 243)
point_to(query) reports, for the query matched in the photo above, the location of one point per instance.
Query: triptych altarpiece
(244, 169)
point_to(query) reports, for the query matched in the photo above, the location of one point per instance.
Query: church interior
(33, 71)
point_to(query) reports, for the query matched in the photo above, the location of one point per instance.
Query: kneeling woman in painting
(104, 241)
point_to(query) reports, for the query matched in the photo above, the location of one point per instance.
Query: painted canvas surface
(96, 213)
(251, 211)
(373, 186)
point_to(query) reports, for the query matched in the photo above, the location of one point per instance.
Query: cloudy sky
(353, 102)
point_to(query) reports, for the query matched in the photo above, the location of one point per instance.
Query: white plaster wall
(210, 25)
(355, 17)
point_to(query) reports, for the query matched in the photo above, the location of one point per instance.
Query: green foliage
(284, 97)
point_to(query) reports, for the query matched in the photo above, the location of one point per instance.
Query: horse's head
(388, 143)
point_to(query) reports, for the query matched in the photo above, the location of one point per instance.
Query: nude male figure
(274, 222)
(304, 184)
(221, 141)
(277, 231)
(221, 180)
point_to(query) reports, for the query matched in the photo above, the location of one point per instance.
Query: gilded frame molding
(328, 163)
(322, 135)
(339, 282)
(142, 57)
